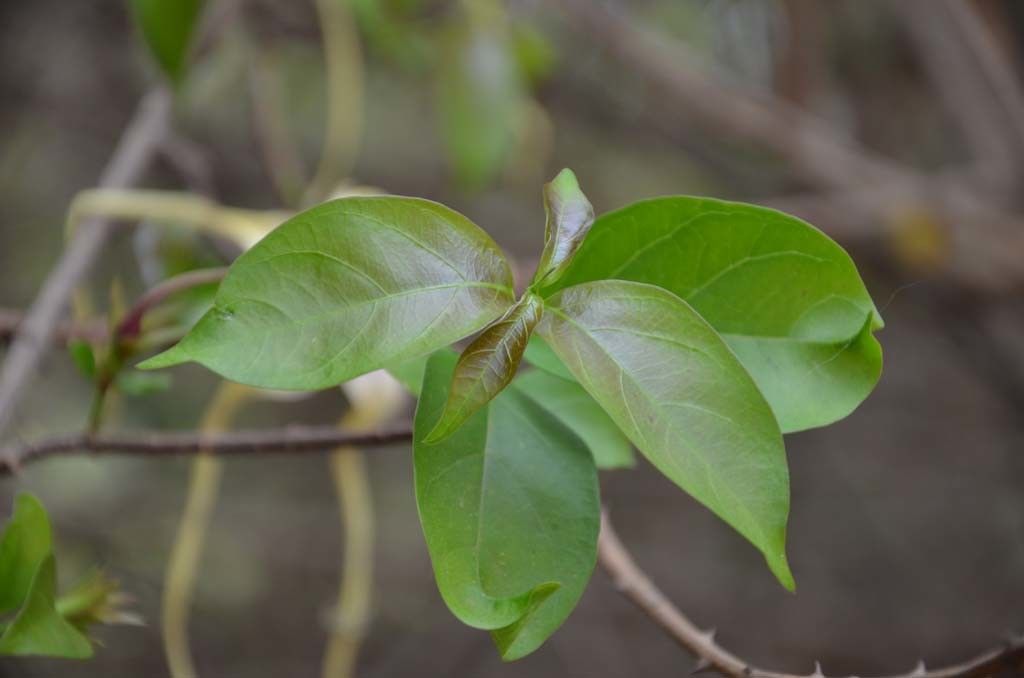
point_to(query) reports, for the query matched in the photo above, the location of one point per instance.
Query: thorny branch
(613, 556)
(635, 585)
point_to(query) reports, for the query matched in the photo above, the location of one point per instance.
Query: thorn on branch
(701, 666)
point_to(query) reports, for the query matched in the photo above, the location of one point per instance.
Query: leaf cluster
(697, 331)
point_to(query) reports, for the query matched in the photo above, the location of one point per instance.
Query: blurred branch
(131, 325)
(343, 69)
(994, 62)
(281, 158)
(190, 161)
(65, 331)
(290, 440)
(948, 60)
(137, 146)
(634, 584)
(824, 156)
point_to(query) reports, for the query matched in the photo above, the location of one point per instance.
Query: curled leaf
(569, 217)
(488, 365)
(786, 298)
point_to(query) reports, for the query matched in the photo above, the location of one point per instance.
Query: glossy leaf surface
(346, 288)
(784, 296)
(167, 27)
(671, 384)
(509, 507)
(568, 401)
(540, 355)
(569, 216)
(488, 365)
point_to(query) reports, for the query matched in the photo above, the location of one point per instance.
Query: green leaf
(136, 383)
(26, 541)
(488, 365)
(510, 510)
(784, 296)
(671, 384)
(540, 355)
(38, 629)
(574, 407)
(345, 288)
(84, 358)
(569, 217)
(480, 99)
(167, 27)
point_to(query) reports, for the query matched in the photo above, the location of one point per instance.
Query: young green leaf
(784, 296)
(27, 540)
(510, 510)
(671, 384)
(167, 27)
(574, 407)
(569, 216)
(346, 288)
(83, 357)
(488, 365)
(39, 629)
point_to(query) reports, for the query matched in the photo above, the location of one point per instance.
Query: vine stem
(635, 585)
(183, 562)
(138, 145)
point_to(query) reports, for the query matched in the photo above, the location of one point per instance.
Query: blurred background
(895, 126)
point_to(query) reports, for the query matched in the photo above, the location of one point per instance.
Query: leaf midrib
(704, 461)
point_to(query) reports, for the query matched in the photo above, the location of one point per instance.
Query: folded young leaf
(346, 288)
(671, 384)
(27, 540)
(509, 507)
(783, 295)
(574, 407)
(39, 629)
(569, 216)
(488, 365)
(790, 371)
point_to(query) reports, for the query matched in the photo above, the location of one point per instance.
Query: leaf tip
(779, 566)
(445, 426)
(172, 356)
(565, 180)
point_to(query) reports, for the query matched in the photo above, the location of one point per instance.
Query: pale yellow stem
(343, 66)
(179, 583)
